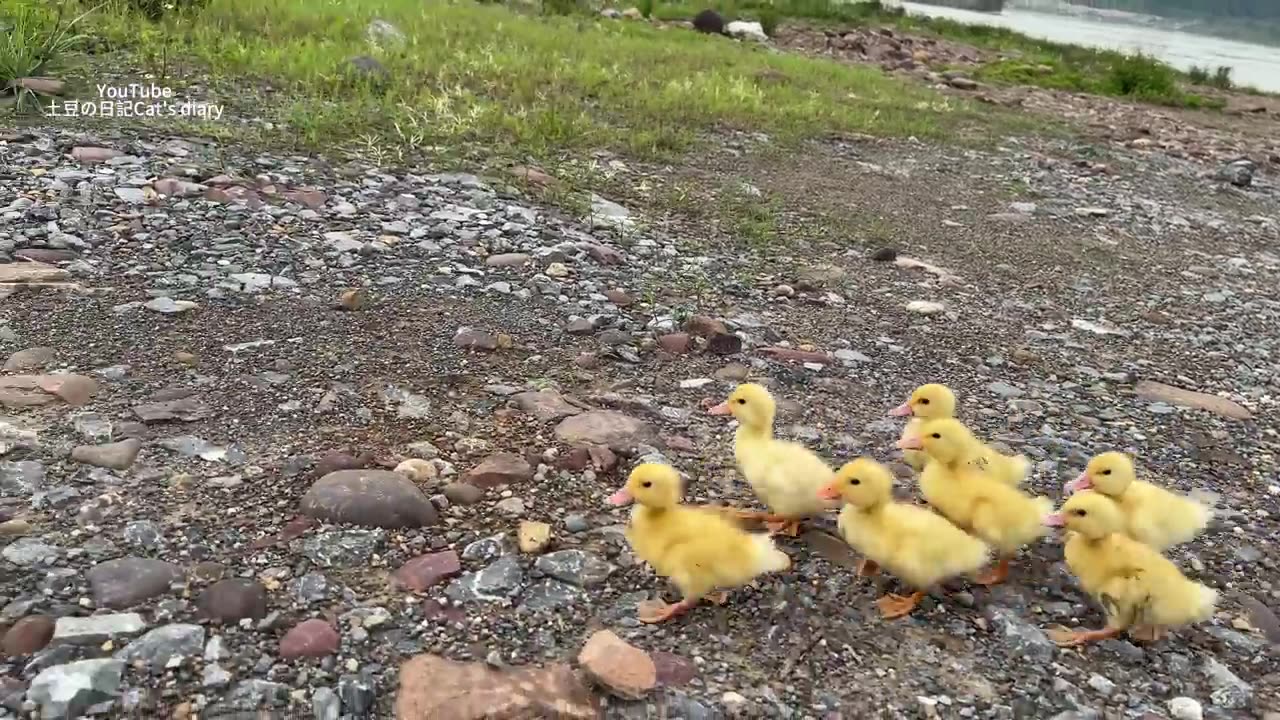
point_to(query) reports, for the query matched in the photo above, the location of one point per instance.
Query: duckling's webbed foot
(896, 606)
(790, 528)
(994, 575)
(1075, 638)
(656, 611)
(868, 567)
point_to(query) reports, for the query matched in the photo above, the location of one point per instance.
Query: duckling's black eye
(742, 401)
(855, 481)
(646, 483)
(924, 401)
(1079, 513)
(936, 436)
(1106, 472)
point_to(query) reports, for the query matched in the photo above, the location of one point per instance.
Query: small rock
(169, 306)
(576, 567)
(500, 469)
(29, 359)
(621, 668)
(435, 687)
(544, 405)
(617, 431)
(310, 638)
(115, 456)
(1229, 691)
(125, 582)
(460, 493)
(28, 636)
(68, 691)
(925, 307)
(426, 571)
(96, 629)
(377, 498)
(419, 471)
(233, 600)
(1185, 708)
(164, 647)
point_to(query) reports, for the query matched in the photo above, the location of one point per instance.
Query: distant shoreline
(1259, 32)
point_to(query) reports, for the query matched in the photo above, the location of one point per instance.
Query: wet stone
(232, 600)
(426, 571)
(67, 691)
(128, 581)
(164, 647)
(375, 498)
(310, 638)
(575, 567)
(350, 548)
(551, 595)
(96, 629)
(498, 582)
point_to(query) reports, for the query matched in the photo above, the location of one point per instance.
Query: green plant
(769, 20)
(1141, 76)
(154, 10)
(1222, 77)
(1198, 75)
(559, 7)
(35, 45)
(646, 8)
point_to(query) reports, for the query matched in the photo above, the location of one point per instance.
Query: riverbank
(403, 240)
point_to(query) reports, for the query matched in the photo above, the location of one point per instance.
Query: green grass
(35, 42)
(524, 84)
(1028, 61)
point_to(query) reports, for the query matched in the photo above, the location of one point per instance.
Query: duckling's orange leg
(785, 526)
(994, 575)
(896, 606)
(1075, 638)
(868, 567)
(656, 611)
(1147, 633)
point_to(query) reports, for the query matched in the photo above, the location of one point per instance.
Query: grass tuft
(37, 41)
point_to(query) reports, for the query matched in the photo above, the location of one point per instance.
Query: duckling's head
(650, 484)
(1109, 473)
(943, 439)
(751, 404)
(863, 483)
(928, 401)
(1089, 513)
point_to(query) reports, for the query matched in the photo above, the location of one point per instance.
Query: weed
(35, 46)
(559, 7)
(646, 7)
(1222, 78)
(1141, 76)
(1198, 75)
(769, 20)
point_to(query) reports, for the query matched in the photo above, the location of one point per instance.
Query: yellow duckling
(700, 550)
(1141, 590)
(1002, 516)
(935, 401)
(1152, 515)
(914, 543)
(786, 476)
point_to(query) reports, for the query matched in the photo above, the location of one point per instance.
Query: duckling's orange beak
(721, 409)
(828, 492)
(1055, 520)
(622, 497)
(902, 410)
(1082, 482)
(914, 442)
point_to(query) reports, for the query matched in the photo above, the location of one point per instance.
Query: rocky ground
(334, 440)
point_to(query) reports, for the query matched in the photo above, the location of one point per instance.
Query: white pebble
(1185, 708)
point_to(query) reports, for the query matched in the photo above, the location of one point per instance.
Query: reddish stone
(619, 298)
(679, 443)
(435, 687)
(673, 670)
(704, 326)
(426, 571)
(233, 600)
(310, 638)
(604, 255)
(434, 611)
(675, 343)
(725, 344)
(27, 636)
(500, 469)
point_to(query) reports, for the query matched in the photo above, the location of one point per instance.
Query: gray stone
(96, 629)
(499, 582)
(1229, 691)
(21, 478)
(127, 581)
(169, 306)
(350, 548)
(215, 676)
(29, 552)
(1026, 640)
(575, 567)
(375, 498)
(67, 691)
(357, 693)
(164, 647)
(551, 595)
(325, 704)
(312, 587)
(115, 456)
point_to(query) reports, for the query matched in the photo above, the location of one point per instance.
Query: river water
(1256, 65)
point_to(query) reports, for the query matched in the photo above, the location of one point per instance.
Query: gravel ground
(195, 375)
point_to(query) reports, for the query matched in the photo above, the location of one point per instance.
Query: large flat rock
(375, 498)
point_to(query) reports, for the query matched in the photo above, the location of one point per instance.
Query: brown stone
(115, 456)
(533, 175)
(74, 390)
(442, 689)
(27, 636)
(124, 582)
(724, 344)
(500, 469)
(603, 254)
(309, 638)
(673, 670)
(32, 272)
(619, 298)
(704, 326)
(786, 354)
(426, 571)
(544, 405)
(675, 343)
(45, 255)
(233, 600)
(460, 493)
(621, 668)
(313, 199)
(532, 536)
(506, 260)
(614, 430)
(29, 359)
(435, 612)
(475, 340)
(1190, 398)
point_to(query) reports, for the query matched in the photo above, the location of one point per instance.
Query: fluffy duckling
(927, 402)
(1141, 590)
(934, 402)
(785, 476)
(914, 543)
(1152, 515)
(699, 549)
(1002, 516)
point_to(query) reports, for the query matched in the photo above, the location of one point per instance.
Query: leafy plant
(559, 7)
(1198, 75)
(35, 46)
(646, 8)
(1142, 76)
(769, 20)
(1222, 77)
